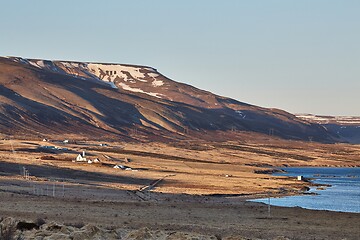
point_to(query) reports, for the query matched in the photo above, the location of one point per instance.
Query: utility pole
(269, 208)
(271, 132)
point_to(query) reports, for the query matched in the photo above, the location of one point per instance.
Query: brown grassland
(195, 187)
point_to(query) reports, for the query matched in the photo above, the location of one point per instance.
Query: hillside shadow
(42, 115)
(113, 112)
(227, 119)
(52, 172)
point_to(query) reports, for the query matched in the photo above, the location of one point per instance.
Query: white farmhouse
(81, 158)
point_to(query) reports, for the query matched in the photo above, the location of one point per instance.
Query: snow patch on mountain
(157, 83)
(347, 120)
(240, 113)
(153, 75)
(112, 72)
(40, 64)
(138, 90)
(37, 64)
(34, 64)
(70, 65)
(150, 69)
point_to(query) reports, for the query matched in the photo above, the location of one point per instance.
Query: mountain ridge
(347, 127)
(118, 98)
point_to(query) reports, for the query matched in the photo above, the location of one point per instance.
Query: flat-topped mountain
(42, 98)
(347, 127)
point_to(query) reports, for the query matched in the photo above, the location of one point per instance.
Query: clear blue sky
(300, 56)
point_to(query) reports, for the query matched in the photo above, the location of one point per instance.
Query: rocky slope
(41, 98)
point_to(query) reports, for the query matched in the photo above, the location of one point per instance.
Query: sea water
(343, 195)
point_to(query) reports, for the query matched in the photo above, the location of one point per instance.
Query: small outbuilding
(96, 160)
(81, 158)
(122, 167)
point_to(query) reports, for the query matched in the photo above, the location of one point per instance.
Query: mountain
(42, 98)
(348, 128)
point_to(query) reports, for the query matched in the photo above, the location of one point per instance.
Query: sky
(299, 56)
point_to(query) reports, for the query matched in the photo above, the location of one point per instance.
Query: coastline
(333, 187)
(201, 216)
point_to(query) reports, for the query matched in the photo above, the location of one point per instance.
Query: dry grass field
(197, 187)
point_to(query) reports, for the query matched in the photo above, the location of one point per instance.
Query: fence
(48, 187)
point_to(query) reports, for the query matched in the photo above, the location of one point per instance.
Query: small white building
(81, 158)
(122, 167)
(96, 160)
(300, 178)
